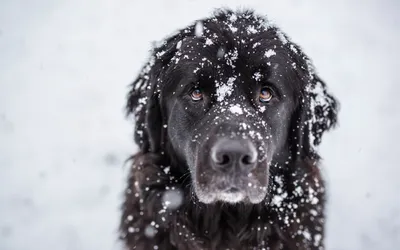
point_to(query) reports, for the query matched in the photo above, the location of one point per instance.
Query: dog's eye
(265, 94)
(196, 94)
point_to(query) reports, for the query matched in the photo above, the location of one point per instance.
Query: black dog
(228, 114)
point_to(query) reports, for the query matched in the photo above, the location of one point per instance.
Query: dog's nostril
(246, 160)
(225, 160)
(221, 159)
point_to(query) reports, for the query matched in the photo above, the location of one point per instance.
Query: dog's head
(227, 97)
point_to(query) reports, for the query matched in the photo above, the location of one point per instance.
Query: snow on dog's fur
(229, 113)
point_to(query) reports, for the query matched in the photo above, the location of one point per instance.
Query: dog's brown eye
(196, 95)
(265, 94)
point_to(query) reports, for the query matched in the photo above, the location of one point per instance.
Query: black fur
(176, 135)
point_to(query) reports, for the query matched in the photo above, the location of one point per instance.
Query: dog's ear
(315, 114)
(322, 110)
(144, 97)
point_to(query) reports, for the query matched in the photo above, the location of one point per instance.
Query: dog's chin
(229, 197)
(225, 197)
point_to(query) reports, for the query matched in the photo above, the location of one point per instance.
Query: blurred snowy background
(64, 70)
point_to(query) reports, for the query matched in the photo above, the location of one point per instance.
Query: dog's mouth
(232, 194)
(232, 190)
(211, 188)
(231, 197)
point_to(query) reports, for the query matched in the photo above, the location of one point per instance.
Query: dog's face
(230, 100)
(227, 122)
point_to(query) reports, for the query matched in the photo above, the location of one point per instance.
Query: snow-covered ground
(64, 70)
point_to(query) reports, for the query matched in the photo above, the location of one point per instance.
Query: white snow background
(64, 70)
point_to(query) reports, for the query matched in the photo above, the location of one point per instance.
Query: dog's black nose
(228, 154)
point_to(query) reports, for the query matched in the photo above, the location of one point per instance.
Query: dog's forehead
(220, 45)
(226, 70)
(227, 42)
(226, 51)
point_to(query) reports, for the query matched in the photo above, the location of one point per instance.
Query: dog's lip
(232, 189)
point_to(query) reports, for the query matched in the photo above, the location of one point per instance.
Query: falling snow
(71, 234)
(150, 231)
(172, 199)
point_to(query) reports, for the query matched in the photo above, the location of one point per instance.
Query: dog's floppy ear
(144, 97)
(322, 112)
(316, 113)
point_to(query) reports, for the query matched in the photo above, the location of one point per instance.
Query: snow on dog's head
(238, 99)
